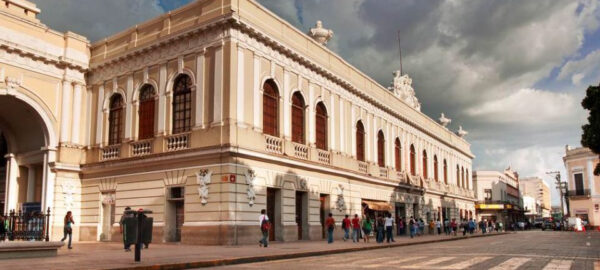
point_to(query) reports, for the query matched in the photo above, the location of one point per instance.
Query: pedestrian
(3, 228)
(465, 226)
(123, 229)
(471, 226)
(68, 229)
(265, 226)
(330, 225)
(346, 227)
(500, 226)
(438, 225)
(367, 226)
(389, 225)
(421, 227)
(453, 226)
(355, 228)
(489, 224)
(431, 226)
(482, 226)
(380, 226)
(412, 227)
(400, 227)
(447, 226)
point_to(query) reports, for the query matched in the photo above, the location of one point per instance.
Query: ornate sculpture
(444, 121)
(402, 87)
(250, 177)
(203, 179)
(461, 132)
(302, 184)
(68, 190)
(340, 203)
(320, 34)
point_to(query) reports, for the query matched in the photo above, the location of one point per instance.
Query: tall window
(270, 108)
(360, 141)
(297, 118)
(182, 104)
(457, 175)
(146, 113)
(578, 179)
(435, 168)
(488, 194)
(462, 176)
(445, 172)
(412, 160)
(398, 154)
(380, 149)
(321, 126)
(115, 119)
(425, 169)
(467, 178)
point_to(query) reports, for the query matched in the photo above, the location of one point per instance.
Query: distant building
(539, 190)
(498, 196)
(583, 187)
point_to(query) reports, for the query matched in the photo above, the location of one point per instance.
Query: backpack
(265, 226)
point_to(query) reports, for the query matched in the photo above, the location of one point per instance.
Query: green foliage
(591, 131)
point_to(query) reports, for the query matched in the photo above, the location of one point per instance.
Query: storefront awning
(378, 206)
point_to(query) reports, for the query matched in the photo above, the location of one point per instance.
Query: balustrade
(141, 148)
(110, 152)
(178, 142)
(273, 144)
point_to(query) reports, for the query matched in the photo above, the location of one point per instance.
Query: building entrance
(323, 212)
(302, 214)
(174, 214)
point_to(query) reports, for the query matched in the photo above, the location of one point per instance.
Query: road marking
(511, 264)
(386, 262)
(429, 263)
(559, 265)
(466, 264)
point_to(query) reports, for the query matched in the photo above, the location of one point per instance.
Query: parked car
(548, 225)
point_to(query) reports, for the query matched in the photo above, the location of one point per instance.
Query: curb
(264, 258)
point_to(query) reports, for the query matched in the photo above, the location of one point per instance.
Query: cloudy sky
(512, 73)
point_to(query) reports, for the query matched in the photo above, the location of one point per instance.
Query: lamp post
(562, 189)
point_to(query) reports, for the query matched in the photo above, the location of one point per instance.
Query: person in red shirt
(330, 225)
(346, 227)
(355, 228)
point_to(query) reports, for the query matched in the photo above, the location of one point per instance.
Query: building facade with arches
(211, 112)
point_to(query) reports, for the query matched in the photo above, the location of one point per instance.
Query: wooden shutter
(146, 112)
(321, 126)
(297, 118)
(270, 109)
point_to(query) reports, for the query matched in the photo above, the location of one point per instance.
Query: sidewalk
(97, 255)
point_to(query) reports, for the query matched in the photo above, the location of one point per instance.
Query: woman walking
(380, 229)
(68, 230)
(367, 225)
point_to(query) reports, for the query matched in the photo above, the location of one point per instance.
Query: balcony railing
(110, 152)
(300, 151)
(324, 156)
(362, 167)
(579, 193)
(178, 142)
(273, 144)
(383, 172)
(141, 148)
(401, 176)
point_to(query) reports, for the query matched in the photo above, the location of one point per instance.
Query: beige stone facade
(539, 190)
(583, 185)
(207, 169)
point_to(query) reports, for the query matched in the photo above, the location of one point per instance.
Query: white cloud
(528, 106)
(587, 67)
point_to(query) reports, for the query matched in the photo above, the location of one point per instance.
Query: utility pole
(560, 186)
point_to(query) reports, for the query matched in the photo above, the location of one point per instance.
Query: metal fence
(25, 226)
(579, 192)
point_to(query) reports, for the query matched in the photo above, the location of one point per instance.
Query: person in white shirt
(263, 221)
(389, 223)
(438, 225)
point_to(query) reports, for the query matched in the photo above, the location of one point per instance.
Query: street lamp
(562, 189)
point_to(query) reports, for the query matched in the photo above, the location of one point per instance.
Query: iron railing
(579, 192)
(25, 226)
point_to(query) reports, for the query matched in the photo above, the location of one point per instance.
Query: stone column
(218, 88)
(240, 87)
(199, 117)
(65, 118)
(76, 126)
(257, 97)
(12, 171)
(162, 98)
(100, 116)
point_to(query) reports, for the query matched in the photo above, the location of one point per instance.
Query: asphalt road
(523, 250)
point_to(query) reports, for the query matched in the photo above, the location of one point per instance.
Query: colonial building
(498, 196)
(208, 114)
(583, 197)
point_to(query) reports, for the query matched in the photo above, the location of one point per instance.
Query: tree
(591, 131)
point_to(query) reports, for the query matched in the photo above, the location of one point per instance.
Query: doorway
(400, 214)
(108, 216)
(302, 214)
(174, 214)
(324, 212)
(274, 212)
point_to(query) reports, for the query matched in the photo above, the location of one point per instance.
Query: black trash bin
(147, 230)
(130, 225)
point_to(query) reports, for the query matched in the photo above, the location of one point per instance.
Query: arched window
(321, 126)
(435, 168)
(146, 112)
(182, 104)
(445, 172)
(360, 141)
(462, 176)
(270, 108)
(467, 178)
(425, 169)
(297, 118)
(457, 175)
(398, 154)
(380, 149)
(412, 160)
(115, 119)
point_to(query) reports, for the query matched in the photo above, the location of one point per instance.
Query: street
(524, 250)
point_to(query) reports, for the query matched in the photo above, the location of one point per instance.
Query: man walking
(389, 223)
(411, 227)
(438, 225)
(355, 228)
(346, 227)
(265, 226)
(330, 225)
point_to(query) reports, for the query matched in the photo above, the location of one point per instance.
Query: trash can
(130, 225)
(147, 230)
